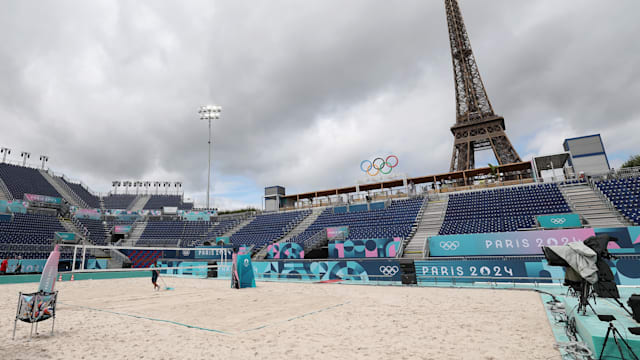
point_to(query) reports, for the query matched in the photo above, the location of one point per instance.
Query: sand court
(201, 318)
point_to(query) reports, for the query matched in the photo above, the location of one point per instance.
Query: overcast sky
(109, 90)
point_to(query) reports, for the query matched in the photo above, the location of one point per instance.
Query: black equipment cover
(606, 286)
(634, 304)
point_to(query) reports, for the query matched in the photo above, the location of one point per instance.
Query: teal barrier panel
(559, 221)
(64, 236)
(224, 240)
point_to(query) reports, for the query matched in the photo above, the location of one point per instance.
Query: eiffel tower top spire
(472, 101)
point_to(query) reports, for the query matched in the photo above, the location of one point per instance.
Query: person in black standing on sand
(154, 277)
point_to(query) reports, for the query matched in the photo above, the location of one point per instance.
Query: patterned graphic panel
(338, 231)
(285, 251)
(354, 271)
(369, 248)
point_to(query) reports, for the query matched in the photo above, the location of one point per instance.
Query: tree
(632, 162)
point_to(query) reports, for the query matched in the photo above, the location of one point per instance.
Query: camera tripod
(617, 337)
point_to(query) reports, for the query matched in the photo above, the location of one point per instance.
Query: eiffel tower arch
(477, 127)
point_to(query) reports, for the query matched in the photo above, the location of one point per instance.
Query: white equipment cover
(581, 258)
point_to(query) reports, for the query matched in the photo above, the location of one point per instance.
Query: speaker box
(634, 304)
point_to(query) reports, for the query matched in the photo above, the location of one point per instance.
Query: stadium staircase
(5, 194)
(136, 232)
(239, 226)
(297, 230)
(430, 223)
(584, 201)
(66, 193)
(138, 203)
(72, 228)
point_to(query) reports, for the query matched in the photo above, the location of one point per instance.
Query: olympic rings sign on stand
(449, 245)
(380, 165)
(558, 221)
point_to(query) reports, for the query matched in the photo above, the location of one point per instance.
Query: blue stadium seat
(624, 194)
(500, 210)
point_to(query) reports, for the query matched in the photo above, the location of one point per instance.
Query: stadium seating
(30, 236)
(91, 200)
(268, 227)
(624, 194)
(95, 231)
(498, 210)
(194, 232)
(159, 201)
(162, 233)
(394, 221)
(21, 180)
(119, 201)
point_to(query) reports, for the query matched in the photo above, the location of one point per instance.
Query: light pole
(44, 159)
(5, 151)
(25, 155)
(209, 112)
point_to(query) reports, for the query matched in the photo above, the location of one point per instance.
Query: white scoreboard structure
(587, 155)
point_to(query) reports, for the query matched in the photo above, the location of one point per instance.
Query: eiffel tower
(477, 126)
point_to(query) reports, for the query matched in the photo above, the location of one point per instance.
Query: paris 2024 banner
(529, 242)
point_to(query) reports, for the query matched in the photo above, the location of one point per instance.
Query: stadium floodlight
(5, 151)
(147, 185)
(156, 184)
(44, 159)
(166, 185)
(25, 155)
(126, 185)
(178, 185)
(115, 185)
(209, 112)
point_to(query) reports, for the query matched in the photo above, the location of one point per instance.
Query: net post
(84, 254)
(73, 263)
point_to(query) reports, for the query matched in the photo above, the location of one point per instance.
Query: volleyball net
(202, 262)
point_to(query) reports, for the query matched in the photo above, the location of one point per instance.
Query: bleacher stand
(194, 232)
(118, 201)
(30, 236)
(96, 231)
(162, 233)
(21, 180)
(624, 194)
(394, 221)
(91, 200)
(266, 228)
(157, 202)
(499, 210)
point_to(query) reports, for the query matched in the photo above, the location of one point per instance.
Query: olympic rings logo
(558, 221)
(389, 270)
(449, 245)
(379, 165)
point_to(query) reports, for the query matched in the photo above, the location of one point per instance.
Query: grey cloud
(121, 82)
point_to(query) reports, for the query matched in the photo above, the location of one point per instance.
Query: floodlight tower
(44, 159)
(156, 184)
(178, 186)
(115, 185)
(5, 151)
(25, 155)
(209, 112)
(126, 185)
